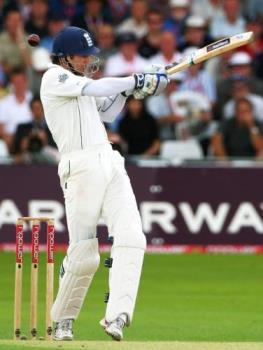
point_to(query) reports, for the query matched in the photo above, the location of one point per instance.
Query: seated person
(150, 43)
(139, 130)
(33, 141)
(179, 10)
(240, 136)
(160, 108)
(168, 50)
(197, 118)
(136, 22)
(195, 33)
(15, 106)
(197, 79)
(127, 60)
(239, 64)
(240, 89)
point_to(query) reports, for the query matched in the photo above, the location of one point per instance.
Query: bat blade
(211, 50)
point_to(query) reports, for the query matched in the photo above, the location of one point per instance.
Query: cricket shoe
(115, 328)
(63, 330)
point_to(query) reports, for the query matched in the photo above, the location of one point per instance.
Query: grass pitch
(183, 298)
(131, 345)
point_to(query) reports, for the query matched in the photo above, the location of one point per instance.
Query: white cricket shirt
(13, 113)
(73, 119)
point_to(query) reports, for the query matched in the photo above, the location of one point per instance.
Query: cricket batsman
(93, 179)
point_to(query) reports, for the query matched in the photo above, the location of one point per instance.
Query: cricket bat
(211, 50)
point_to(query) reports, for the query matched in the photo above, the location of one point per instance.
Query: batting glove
(152, 68)
(147, 84)
(152, 82)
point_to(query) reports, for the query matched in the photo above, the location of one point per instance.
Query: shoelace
(66, 325)
(120, 323)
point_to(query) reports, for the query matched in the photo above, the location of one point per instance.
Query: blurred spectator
(195, 112)
(230, 22)
(13, 42)
(150, 43)
(14, 108)
(4, 153)
(33, 140)
(127, 60)
(195, 33)
(3, 88)
(136, 23)
(55, 24)
(37, 22)
(66, 8)
(207, 8)
(91, 18)
(160, 108)
(106, 41)
(198, 80)
(139, 130)
(253, 8)
(2, 3)
(179, 11)
(240, 64)
(255, 47)
(40, 63)
(240, 136)
(168, 50)
(219, 66)
(118, 10)
(204, 128)
(240, 89)
(258, 66)
(24, 7)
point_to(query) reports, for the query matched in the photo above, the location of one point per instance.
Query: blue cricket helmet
(74, 41)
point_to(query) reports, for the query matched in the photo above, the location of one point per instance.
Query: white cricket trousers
(95, 184)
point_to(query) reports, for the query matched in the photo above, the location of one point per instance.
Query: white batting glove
(142, 92)
(155, 68)
(147, 84)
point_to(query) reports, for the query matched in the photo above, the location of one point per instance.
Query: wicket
(36, 225)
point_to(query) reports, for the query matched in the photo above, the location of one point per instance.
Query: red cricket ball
(33, 40)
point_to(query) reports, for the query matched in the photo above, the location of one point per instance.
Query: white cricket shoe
(63, 330)
(115, 328)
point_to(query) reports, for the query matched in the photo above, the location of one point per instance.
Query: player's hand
(155, 68)
(152, 82)
(152, 68)
(147, 84)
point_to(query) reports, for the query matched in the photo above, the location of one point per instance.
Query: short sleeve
(63, 83)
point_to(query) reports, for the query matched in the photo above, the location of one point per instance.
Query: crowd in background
(215, 108)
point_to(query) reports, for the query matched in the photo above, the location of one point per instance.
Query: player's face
(80, 62)
(84, 65)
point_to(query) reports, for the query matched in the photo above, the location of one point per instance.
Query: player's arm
(153, 149)
(109, 107)
(256, 139)
(143, 84)
(61, 83)
(107, 86)
(218, 146)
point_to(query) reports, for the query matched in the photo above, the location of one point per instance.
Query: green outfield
(184, 300)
